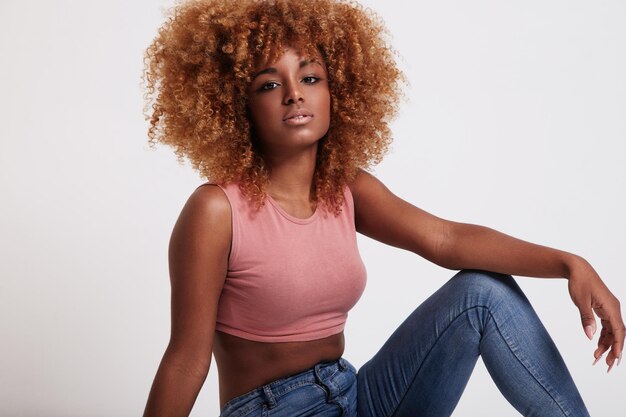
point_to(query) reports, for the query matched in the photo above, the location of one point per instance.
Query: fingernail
(589, 332)
(597, 359)
(619, 359)
(610, 367)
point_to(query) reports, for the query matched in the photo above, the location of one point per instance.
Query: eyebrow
(272, 70)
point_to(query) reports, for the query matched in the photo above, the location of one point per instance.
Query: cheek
(266, 121)
(327, 106)
(258, 114)
(256, 106)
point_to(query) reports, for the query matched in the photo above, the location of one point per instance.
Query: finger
(598, 354)
(618, 343)
(604, 341)
(613, 337)
(608, 341)
(588, 321)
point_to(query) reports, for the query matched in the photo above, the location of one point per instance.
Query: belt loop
(269, 396)
(319, 381)
(316, 372)
(342, 364)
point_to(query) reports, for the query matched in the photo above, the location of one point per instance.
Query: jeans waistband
(270, 393)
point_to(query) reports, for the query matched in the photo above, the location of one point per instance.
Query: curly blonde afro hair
(198, 69)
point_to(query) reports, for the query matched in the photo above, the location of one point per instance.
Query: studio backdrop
(514, 118)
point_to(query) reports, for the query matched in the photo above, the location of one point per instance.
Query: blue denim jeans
(424, 366)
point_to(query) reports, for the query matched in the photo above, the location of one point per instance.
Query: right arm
(198, 261)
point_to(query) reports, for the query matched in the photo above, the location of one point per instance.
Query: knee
(488, 287)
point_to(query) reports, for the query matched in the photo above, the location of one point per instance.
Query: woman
(282, 105)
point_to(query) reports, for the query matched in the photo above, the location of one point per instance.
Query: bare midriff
(244, 365)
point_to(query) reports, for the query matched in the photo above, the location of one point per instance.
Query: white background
(514, 119)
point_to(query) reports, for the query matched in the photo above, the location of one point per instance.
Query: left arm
(383, 216)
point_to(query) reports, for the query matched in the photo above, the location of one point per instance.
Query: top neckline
(289, 217)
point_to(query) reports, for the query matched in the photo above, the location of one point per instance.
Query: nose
(293, 93)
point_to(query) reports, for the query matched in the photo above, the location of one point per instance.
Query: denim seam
(248, 409)
(260, 402)
(417, 371)
(541, 384)
(291, 387)
(503, 338)
(239, 411)
(277, 393)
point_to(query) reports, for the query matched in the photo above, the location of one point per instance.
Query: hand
(591, 296)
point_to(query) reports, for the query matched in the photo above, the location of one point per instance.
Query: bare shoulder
(362, 180)
(202, 233)
(206, 209)
(383, 216)
(208, 201)
(198, 260)
(366, 190)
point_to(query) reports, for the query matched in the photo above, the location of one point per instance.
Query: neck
(291, 174)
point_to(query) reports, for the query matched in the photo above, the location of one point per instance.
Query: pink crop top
(289, 279)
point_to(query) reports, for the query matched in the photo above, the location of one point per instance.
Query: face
(290, 102)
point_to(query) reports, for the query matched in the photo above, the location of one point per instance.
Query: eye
(268, 86)
(310, 79)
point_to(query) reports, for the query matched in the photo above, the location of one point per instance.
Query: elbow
(188, 362)
(444, 249)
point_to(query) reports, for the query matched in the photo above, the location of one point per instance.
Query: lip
(298, 120)
(298, 116)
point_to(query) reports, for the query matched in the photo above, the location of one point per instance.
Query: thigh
(424, 366)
